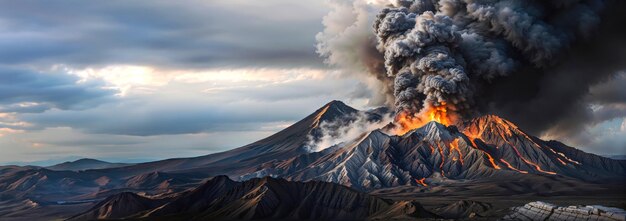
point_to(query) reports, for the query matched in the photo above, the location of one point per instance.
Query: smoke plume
(438, 50)
(344, 130)
(493, 56)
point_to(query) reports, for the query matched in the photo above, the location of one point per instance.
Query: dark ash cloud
(533, 62)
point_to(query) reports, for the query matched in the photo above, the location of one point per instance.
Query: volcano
(438, 164)
(484, 147)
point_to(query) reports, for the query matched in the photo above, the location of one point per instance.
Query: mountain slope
(284, 144)
(118, 206)
(429, 158)
(485, 147)
(86, 164)
(514, 149)
(57, 185)
(266, 198)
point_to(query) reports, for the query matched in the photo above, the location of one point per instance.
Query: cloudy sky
(132, 81)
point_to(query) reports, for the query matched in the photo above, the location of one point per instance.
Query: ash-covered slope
(48, 184)
(485, 147)
(514, 149)
(118, 206)
(287, 143)
(263, 198)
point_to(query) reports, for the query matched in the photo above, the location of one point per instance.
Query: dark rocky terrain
(546, 211)
(484, 161)
(262, 198)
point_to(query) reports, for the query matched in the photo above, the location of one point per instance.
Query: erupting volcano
(484, 156)
(406, 121)
(442, 86)
(426, 153)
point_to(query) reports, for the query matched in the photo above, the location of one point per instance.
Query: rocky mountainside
(463, 209)
(119, 206)
(52, 185)
(485, 153)
(484, 147)
(264, 198)
(546, 211)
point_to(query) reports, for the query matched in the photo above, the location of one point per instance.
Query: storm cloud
(28, 91)
(165, 34)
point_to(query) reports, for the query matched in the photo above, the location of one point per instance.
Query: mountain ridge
(429, 159)
(86, 164)
(221, 198)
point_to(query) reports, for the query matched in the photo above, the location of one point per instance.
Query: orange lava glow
(473, 136)
(408, 121)
(421, 181)
(454, 145)
(527, 161)
(493, 162)
(439, 114)
(443, 159)
(432, 149)
(507, 133)
(511, 167)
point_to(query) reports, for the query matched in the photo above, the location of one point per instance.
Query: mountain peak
(331, 111)
(88, 160)
(492, 124)
(117, 206)
(338, 107)
(432, 130)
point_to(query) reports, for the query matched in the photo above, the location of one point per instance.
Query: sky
(131, 81)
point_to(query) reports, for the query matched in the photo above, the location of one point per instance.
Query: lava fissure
(511, 167)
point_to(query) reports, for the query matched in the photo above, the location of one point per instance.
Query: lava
(421, 181)
(406, 121)
(493, 162)
(473, 136)
(511, 167)
(443, 160)
(454, 145)
(525, 160)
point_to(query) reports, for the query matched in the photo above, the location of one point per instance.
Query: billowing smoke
(508, 57)
(438, 51)
(345, 130)
(347, 42)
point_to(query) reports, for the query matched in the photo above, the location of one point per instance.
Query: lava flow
(407, 121)
(421, 181)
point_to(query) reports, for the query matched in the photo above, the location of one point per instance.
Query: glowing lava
(408, 121)
(421, 181)
(454, 145)
(511, 167)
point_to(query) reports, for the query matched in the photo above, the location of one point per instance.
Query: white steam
(339, 131)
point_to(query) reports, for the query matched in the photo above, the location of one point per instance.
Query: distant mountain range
(488, 155)
(86, 164)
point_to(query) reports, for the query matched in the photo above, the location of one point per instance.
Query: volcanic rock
(118, 206)
(261, 198)
(546, 211)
